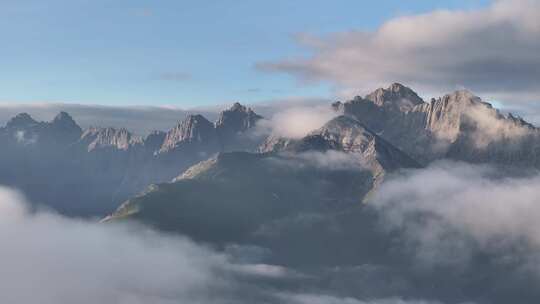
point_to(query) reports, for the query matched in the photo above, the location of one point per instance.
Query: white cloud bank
(297, 122)
(449, 209)
(489, 127)
(138, 119)
(143, 119)
(50, 259)
(493, 51)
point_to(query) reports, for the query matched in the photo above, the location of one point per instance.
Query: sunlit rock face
(458, 125)
(388, 128)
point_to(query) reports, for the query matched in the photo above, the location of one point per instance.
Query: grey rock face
(64, 127)
(348, 135)
(233, 127)
(56, 163)
(236, 119)
(194, 129)
(300, 199)
(351, 136)
(274, 143)
(458, 125)
(102, 138)
(239, 195)
(22, 120)
(396, 97)
(382, 130)
(24, 130)
(236, 194)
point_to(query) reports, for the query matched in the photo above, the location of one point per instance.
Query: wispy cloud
(138, 119)
(297, 122)
(74, 261)
(492, 51)
(451, 211)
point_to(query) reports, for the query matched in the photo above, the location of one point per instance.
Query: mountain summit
(387, 129)
(22, 120)
(396, 96)
(236, 119)
(193, 129)
(459, 121)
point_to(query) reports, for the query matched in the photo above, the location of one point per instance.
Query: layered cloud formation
(492, 51)
(138, 119)
(70, 261)
(50, 259)
(447, 214)
(143, 119)
(451, 211)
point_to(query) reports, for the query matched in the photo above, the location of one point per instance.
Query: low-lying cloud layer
(449, 210)
(445, 215)
(138, 119)
(50, 259)
(493, 51)
(68, 261)
(142, 120)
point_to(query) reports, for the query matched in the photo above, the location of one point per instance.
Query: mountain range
(90, 172)
(302, 203)
(305, 203)
(233, 196)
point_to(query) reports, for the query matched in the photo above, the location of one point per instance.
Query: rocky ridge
(388, 128)
(111, 164)
(459, 121)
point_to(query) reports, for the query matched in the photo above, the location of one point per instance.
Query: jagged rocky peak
(274, 143)
(64, 129)
(193, 129)
(336, 134)
(63, 118)
(445, 115)
(395, 96)
(120, 139)
(63, 122)
(341, 133)
(237, 118)
(348, 132)
(22, 120)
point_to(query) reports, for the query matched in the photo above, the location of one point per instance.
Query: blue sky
(184, 53)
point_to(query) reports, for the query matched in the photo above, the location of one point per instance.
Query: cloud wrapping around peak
(297, 122)
(492, 51)
(490, 128)
(141, 120)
